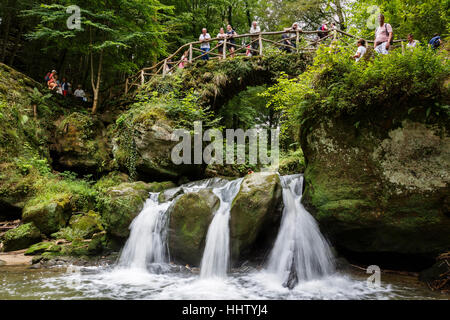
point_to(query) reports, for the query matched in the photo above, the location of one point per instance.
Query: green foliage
(292, 162)
(335, 84)
(421, 18)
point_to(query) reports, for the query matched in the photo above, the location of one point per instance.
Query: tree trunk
(96, 86)
(230, 15)
(340, 14)
(247, 12)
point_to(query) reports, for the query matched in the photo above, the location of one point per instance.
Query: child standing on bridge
(205, 46)
(231, 41)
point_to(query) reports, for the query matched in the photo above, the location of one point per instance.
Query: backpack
(435, 43)
(47, 77)
(387, 33)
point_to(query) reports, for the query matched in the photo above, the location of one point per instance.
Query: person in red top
(383, 36)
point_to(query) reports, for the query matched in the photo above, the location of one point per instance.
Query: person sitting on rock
(53, 82)
(80, 94)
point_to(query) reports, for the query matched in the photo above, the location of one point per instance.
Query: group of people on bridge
(382, 44)
(384, 39)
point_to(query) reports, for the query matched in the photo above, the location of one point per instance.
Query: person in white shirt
(361, 50)
(254, 30)
(411, 42)
(205, 46)
(80, 94)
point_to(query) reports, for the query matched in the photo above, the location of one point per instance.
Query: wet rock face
(81, 144)
(255, 214)
(378, 188)
(190, 217)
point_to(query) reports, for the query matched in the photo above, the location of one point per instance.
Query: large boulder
(380, 188)
(49, 216)
(121, 204)
(81, 144)
(21, 237)
(190, 217)
(143, 144)
(255, 214)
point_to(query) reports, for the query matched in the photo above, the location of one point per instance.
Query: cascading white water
(299, 248)
(148, 232)
(217, 249)
(146, 243)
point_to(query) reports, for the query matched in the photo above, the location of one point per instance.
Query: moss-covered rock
(143, 145)
(381, 188)
(41, 247)
(161, 186)
(81, 226)
(86, 224)
(255, 213)
(50, 215)
(81, 144)
(190, 217)
(23, 138)
(121, 204)
(21, 237)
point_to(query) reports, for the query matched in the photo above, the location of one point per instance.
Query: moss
(49, 216)
(379, 188)
(190, 218)
(110, 180)
(42, 247)
(255, 210)
(292, 162)
(119, 205)
(21, 237)
(81, 144)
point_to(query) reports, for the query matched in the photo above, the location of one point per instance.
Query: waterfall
(147, 243)
(300, 251)
(217, 249)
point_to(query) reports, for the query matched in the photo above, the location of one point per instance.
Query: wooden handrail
(161, 67)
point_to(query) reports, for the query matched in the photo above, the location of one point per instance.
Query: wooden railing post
(224, 51)
(142, 78)
(165, 67)
(126, 86)
(190, 53)
(297, 40)
(260, 44)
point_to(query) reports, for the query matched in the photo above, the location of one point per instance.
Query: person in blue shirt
(435, 42)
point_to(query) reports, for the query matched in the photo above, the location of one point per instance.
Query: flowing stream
(300, 265)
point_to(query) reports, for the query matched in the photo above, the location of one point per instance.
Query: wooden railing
(189, 53)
